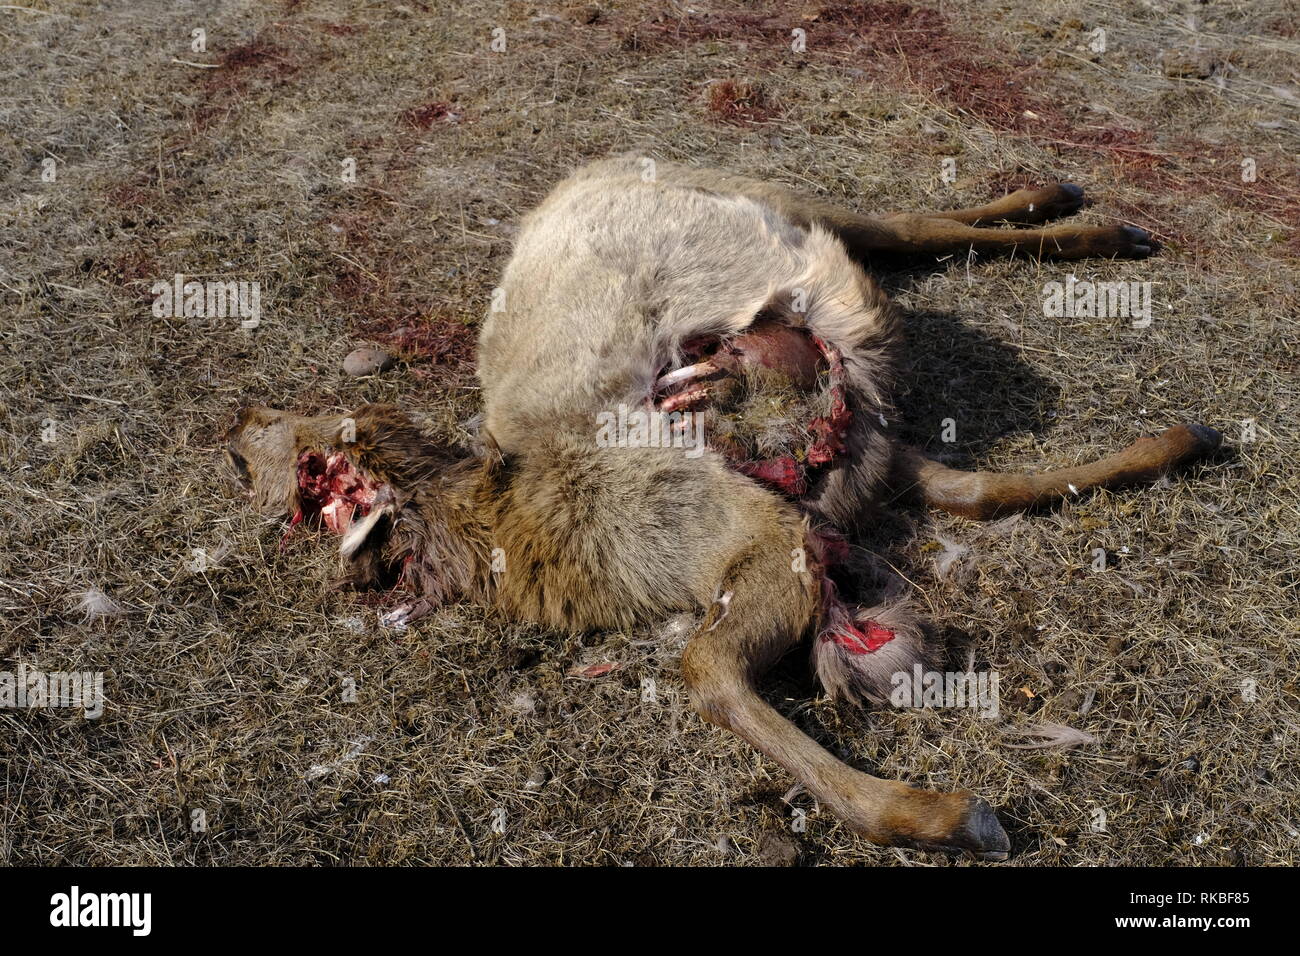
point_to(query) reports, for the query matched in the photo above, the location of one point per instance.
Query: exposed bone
(403, 616)
(686, 373)
(684, 399)
(396, 618)
(385, 504)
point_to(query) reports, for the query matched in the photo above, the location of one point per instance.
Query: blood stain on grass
(437, 339)
(732, 101)
(259, 63)
(378, 312)
(257, 60)
(425, 116)
(913, 48)
(130, 267)
(130, 196)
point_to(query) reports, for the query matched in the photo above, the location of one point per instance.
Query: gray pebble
(367, 362)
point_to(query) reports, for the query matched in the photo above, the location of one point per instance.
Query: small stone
(367, 362)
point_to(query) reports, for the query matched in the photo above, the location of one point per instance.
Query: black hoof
(1067, 199)
(1209, 438)
(1139, 243)
(981, 833)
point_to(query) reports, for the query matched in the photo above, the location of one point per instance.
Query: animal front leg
(1024, 207)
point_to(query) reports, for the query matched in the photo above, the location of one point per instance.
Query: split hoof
(959, 823)
(1186, 443)
(1209, 439)
(981, 833)
(1126, 242)
(1067, 199)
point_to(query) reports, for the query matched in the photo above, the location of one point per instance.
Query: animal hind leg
(910, 234)
(768, 610)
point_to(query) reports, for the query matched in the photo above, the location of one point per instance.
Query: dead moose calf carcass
(710, 307)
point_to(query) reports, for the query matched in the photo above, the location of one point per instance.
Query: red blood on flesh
(329, 486)
(842, 624)
(797, 354)
(782, 473)
(856, 639)
(830, 432)
(777, 346)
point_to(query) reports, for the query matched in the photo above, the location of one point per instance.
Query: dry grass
(226, 685)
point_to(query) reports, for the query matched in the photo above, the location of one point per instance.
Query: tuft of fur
(442, 540)
(95, 605)
(861, 677)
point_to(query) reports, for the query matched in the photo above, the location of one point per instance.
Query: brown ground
(225, 685)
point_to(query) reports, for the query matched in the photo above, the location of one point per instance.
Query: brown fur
(612, 278)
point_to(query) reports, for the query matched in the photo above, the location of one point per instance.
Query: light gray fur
(613, 272)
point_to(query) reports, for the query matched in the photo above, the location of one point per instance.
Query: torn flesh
(842, 624)
(774, 396)
(779, 413)
(330, 487)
